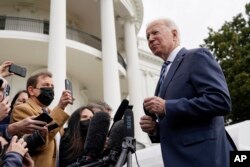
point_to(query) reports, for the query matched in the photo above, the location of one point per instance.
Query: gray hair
(170, 24)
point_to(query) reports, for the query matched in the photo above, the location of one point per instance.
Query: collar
(34, 105)
(173, 54)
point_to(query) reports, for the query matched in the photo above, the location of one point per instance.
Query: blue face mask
(46, 96)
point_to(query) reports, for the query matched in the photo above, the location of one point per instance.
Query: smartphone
(68, 86)
(6, 91)
(44, 117)
(18, 70)
(52, 126)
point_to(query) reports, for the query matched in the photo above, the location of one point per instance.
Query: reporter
(26, 126)
(40, 88)
(72, 142)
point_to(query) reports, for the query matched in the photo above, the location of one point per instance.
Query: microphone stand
(107, 160)
(128, 147)
(100, 162)
(80, 161)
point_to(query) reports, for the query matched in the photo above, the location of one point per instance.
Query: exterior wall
(27, 45)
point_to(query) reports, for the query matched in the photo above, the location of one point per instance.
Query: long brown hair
(76, 139)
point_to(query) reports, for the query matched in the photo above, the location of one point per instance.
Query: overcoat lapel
(174, 66)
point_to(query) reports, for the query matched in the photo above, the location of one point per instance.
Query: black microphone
(121, 109)
(115, 141)
(114, 148)
(129, 123)
(120, 112)
(116, 135)
(96, 135)
(128, 144)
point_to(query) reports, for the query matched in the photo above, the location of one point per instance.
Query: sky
(193, 17)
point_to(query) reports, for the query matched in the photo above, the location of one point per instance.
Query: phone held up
(68, 86)
(6, 91)
(18, 70)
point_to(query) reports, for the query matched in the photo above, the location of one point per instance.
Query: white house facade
(93, 43)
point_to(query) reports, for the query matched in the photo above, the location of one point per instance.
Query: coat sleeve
(12, 159)
(60, 117)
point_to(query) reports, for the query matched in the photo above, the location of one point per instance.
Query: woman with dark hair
(72, 141)
(19, 98)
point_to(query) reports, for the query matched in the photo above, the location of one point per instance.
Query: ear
(30, 90)
(175, 33)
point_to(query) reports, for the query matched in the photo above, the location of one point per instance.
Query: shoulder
(199, 54)
(24, 110)
(197, 51)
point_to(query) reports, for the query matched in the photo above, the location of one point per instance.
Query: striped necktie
(163, 69)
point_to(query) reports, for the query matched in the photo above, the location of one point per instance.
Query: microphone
(128, 145)
(121, 142)
(115, 141)
(114, 146)
(121, 109)
(96, 135)
(129, 123)
(116, 135)
(120, 112)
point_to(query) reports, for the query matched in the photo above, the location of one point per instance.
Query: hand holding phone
(68, 86)
(52, 126)
(6, 91)
(44, 117)
(18, 70)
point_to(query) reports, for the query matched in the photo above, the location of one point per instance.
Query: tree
(231, 47)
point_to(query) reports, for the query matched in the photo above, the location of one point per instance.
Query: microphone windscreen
(96, 135)
(129, 123)
(116, 136)
(120, 111)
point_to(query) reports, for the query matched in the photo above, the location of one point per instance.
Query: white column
(111, 83)
(57, 46)
(133, 73)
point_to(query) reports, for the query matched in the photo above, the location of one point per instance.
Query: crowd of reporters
(27, 141)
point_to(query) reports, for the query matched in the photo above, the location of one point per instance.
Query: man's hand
(65, 99)
(147, 124)
(4, 108)
(28, 161)
(4, 72)
(26, 126)
(155, 105)
(3, 141)
(17, 146)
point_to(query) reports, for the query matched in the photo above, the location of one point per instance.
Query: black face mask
(84, 125)
(46, 96)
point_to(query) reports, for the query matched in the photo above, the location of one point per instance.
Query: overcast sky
(192, 16)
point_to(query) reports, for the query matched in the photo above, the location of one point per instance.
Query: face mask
(84, 125)
(46, 96)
